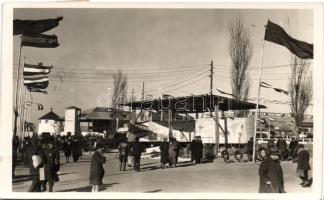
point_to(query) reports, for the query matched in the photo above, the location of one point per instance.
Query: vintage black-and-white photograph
(163, 100)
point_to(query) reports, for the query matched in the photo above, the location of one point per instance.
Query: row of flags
(31, 32)
(32, 77)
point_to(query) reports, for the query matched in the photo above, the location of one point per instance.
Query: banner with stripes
(41, 79)
(266, 85)
(30, 70)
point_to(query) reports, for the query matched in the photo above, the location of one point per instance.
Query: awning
(193, 104)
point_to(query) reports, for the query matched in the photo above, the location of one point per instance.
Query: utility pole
(142, 113)
(211, 85)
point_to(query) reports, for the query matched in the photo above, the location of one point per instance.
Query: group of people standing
(44, 162)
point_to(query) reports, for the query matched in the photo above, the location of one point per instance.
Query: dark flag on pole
(42, 85)
(30, 89)
(40, 41)
(30, 70)
(34, 27)
(274, 33)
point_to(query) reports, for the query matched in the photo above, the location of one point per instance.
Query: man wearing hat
(270, 172)
(303, 165)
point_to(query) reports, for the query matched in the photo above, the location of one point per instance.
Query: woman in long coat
(164, 149)
(97, 171)
(303, 165)
(271, 175)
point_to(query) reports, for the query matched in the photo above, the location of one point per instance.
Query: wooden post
(225, 128)
(170, 121)
(216, 131)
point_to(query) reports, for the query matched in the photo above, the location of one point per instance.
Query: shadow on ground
(88, 188)
(153, 191)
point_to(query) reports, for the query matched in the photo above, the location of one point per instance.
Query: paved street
(208, 177)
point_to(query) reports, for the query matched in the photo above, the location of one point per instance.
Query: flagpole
(257, 107)
(24, 113)
(17, 87)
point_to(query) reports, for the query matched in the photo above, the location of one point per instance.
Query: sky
(170, 50)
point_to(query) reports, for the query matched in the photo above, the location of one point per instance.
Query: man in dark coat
(282, 146)
(271, 175)
(97, 171)
(52, 166)
(164, 149)
(137, 151)
(199, 151)
(75, 149)
(31, 150)
(15, 144)
(193, 149)
(67, 149)
(303, 165)
(123, 153)
(292, 147)
(249, 148)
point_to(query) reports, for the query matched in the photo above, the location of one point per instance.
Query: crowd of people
(42, 156)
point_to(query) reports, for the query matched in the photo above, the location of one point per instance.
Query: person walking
(193, 149)
(292, 147)
(200, 150)
(303, 166)
(164, 149)
(15, 144)
(270, 172)
(52, 165)
(75, 149)
(67, 149)
(97, 171)
(173, 147)
(249, 149)
(282, 147)
(123, 154)
(36, 160)
(137, 151)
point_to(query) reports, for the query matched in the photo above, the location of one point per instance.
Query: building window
(46, 121)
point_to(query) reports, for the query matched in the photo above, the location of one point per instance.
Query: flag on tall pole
(274, 33)
(30, 70)
(33, 27)
(40, 41)
(266, 85)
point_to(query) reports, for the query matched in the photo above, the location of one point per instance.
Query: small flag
(266, 85)
(40, 41)
(31, 89)
(30, 70)
(34, 27)
(281, 91)
(222, 92)
(42, 85)
(41, 79)
(274, 33)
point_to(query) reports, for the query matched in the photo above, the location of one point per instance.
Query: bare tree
(300, 90)
(240, 49)
(120, 89)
